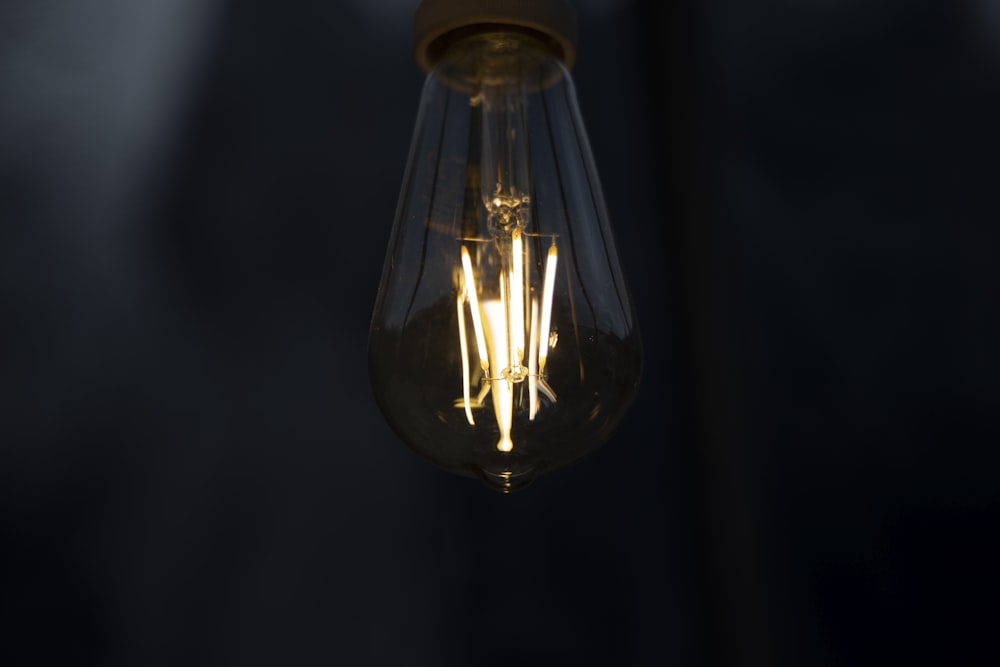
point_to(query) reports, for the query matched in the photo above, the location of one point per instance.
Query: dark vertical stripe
(737, 624)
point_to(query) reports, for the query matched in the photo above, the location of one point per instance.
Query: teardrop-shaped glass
(503, 342)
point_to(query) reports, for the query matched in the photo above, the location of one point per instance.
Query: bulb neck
(493, 62)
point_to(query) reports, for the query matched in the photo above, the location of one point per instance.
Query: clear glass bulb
(503, 342)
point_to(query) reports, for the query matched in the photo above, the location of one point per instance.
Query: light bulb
(503, 342)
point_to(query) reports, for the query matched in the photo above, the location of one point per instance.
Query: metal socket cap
(437, 22)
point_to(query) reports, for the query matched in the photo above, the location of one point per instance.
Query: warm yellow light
(477, 324)
(503, 388)
(550, 281)
(500, 330)
(533, 363)
(516, 317)
(500, 173)
(465, 358)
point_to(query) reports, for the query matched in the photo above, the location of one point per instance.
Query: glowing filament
(549, 285)
(516, 316)
(477, 323)
(503, 388)
(533, 363)
(500, 330)
(465, 357)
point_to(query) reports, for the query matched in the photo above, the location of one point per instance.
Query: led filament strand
(500, 328)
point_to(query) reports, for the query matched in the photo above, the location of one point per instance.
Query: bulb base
(438, 23)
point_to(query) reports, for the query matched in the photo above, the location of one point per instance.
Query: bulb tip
(506, 481)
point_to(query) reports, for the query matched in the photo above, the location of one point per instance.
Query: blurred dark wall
(195, 199)
(833, 183)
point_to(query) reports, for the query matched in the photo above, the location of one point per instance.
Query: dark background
(195, 198)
